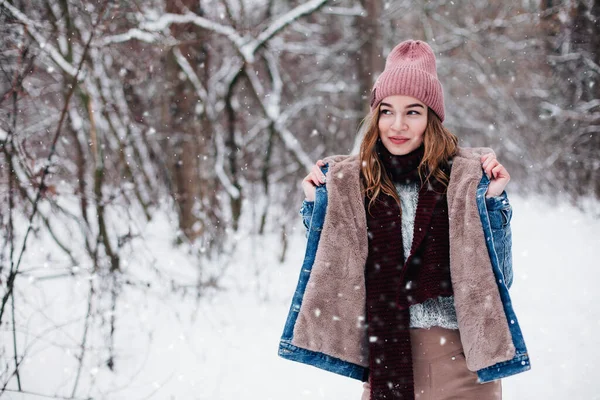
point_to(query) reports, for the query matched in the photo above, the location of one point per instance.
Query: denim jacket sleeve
(500, 214)
(306, 212)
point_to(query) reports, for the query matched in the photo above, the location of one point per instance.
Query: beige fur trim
(332, 316)
(482, 323)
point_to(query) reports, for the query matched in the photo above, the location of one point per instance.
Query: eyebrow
(408, 106)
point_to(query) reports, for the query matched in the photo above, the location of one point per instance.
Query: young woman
(405, 280)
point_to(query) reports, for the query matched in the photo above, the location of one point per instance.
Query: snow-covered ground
(224, 345)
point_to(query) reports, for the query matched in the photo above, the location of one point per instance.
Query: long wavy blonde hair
(440, 146)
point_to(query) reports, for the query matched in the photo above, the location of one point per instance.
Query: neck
(404, 168)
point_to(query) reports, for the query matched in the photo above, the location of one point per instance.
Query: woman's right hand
(366, 391)
(312, 180)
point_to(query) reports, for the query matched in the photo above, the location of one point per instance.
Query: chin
(400, 150)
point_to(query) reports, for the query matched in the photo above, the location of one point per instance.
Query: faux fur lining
(484, 330)
(332, 316)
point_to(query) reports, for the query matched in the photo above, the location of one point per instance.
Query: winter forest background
(151, 154)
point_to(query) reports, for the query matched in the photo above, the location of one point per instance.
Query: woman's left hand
(497, 174)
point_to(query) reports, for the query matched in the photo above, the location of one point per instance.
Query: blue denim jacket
(495, 214)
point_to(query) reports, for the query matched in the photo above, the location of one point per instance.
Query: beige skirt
(440, 369)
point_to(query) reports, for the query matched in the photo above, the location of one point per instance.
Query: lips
(399, 140)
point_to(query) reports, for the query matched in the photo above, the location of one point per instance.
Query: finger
(500, 171)
(309, 178)
(318, 173)
(488, 160)
(315, 180)
(486, 157)
(320, 177)
(315, 170)
(484, 160)
(491, 165)
(497, 171)
(320, 162)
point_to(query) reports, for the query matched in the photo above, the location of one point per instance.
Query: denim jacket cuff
(496, 203)
(499, 211)
(307, 207)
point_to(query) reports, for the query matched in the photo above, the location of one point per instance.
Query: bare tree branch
(42, 42)
(13, 272)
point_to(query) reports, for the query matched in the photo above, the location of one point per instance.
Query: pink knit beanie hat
(410, 71)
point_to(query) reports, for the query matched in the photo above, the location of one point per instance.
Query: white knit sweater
(432, 312)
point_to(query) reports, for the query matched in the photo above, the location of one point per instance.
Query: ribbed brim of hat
(410, 82)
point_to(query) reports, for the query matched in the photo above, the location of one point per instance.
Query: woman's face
(402, 122)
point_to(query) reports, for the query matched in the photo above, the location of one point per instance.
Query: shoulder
(342, 162)
(343, 173)
(466, 163)
(472, 153)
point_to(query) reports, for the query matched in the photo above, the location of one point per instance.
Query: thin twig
(84, 339)
(11, 205)
(14, 331)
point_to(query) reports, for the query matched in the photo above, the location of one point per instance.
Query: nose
(399, 124)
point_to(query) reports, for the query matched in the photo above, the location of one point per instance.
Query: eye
(413, 112)
(384, 111)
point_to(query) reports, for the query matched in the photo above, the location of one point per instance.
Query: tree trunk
(182, 137)
(370, 60)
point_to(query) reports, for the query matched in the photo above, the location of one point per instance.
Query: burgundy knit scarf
(391, 286)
